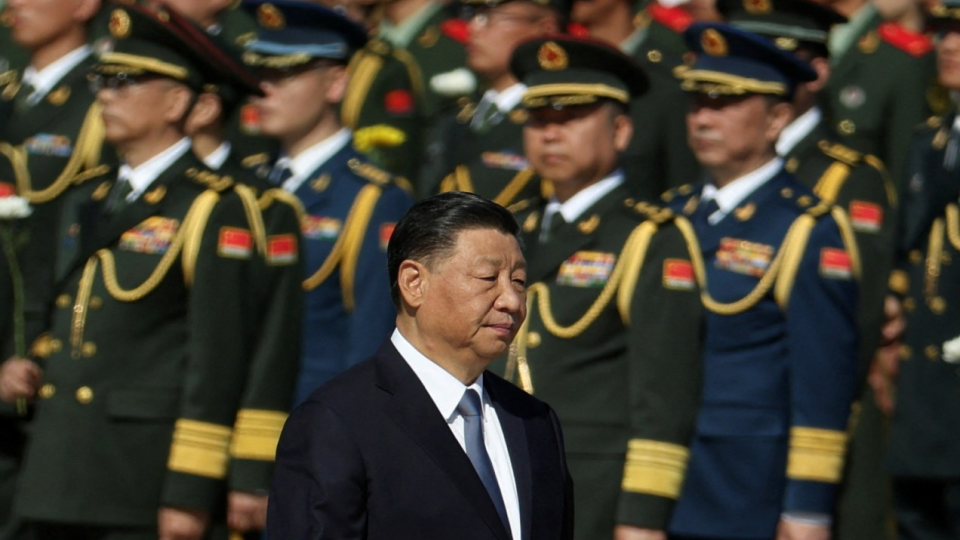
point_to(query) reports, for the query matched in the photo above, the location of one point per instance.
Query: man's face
(473, 302)
(575, 146)
(948, 59)
(296, 101)
(137, 110)
(495, 32)
(35, 23)
(732, 135)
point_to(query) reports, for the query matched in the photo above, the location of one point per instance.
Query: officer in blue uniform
(351, 206)
(779, 269)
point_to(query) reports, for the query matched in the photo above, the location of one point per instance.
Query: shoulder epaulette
(369, 172)
(912, 43)
(674, 18)
(99, 170)
(8, 76)
(404, 184)
(521, 205)
(672, 194)
(817, 210)
(840, 152)
(209, 179)
(379, 46)
(255, 160)
(930, 123)
(874, 162)
(653, 212)
(467, 110)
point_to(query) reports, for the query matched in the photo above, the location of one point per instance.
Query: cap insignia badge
(552, 57)
(713, 43)
(270, 17)
(119, 24)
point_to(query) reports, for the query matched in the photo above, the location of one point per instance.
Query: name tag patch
(386, 231)
(235, 243)
(835, 264)
(866, 217)
(282, 249)
(320, 228)
(743, 257)
(678, 275)
(586, 269)
(500, 160)
(153, 235)
(48, 144)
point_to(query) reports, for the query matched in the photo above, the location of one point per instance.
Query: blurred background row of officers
(739, 218)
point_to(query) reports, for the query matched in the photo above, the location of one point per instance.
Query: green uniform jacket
(491, 164)
(146, 358)
(612, 342)
(879, 90)
(436, 52)
(277, 285)
(859, 184)
(658, 155)
(383, 101)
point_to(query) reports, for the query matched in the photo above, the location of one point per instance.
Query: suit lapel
(514, 432)
(431, 433)
(54, 105)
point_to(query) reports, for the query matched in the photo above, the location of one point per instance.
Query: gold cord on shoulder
(634, 255)
(354, 230)
(794, 245)
(934, 258)
(509, 193)
(251, 208)
(363, 68)
(828, 186)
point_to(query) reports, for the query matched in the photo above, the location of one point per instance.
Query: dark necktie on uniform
(281, 173)
(469, 409)
(704, 211)
(22, 102)
(484, 120)
(553, 228)
(118, 195)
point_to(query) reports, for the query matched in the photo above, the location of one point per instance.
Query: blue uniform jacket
(780, 359)
(351, 209)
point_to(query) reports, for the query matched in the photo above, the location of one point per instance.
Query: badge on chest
(320, 228)
(586, 269)
(153, 236)
(743, 257)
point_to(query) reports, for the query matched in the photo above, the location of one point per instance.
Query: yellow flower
(368, 139)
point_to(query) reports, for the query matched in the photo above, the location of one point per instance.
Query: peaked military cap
(295, 32)
(944, 16)
(146, 37)
(731, 61)
(561, 70)
(789, 23)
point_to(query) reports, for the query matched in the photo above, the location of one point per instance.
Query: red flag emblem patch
(678, 274)
(235, 243)
(835, 263)
(386, 231)
(866, 217)
(282, 249)
(398, 102)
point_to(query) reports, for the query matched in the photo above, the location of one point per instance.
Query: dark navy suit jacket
(369, 456)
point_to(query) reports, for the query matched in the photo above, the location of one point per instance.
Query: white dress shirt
(218, 157)
(505, 101)
(141, 177)
(791, 135)
(45, 79)
(446, 391)
(731, 195)
(303, 164)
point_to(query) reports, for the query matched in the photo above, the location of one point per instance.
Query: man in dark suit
(392, 448)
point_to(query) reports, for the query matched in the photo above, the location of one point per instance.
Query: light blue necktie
(469, 409)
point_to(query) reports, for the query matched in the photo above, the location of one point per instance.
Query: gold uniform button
(63, 301)
(938, 305)
(916, 257)
(847, 127)
(654, 56)
(905, 352)
(628, 202)
(786, 193)
(909, 305)
(533, 340)
(88, 349)
(84, 395)
(96, 302)
(55, 345)
(932, 352)
(804, 201)
(47, 391)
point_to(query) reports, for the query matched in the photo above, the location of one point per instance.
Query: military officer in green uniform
(859, 184)
(145, 361)
(658, 156)
(612, 337)
(882, 83)
(434, 39)
(923, 443)
(49, 134)
(479, 148)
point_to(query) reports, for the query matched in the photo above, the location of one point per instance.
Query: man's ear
(411, 279)
(206, 111)
(337, 83)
